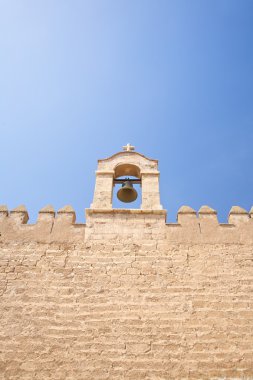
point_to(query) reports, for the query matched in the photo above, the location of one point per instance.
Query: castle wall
(126, 296)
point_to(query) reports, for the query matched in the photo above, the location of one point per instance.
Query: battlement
(110, 224)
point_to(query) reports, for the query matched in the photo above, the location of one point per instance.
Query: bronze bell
(127, 193)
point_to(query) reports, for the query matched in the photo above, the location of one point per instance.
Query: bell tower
(124, 164)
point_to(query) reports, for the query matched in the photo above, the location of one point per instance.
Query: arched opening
(123, 172)
(127, 170)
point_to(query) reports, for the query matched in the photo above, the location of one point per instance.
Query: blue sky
(79, 79)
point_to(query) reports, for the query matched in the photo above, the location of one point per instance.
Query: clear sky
(79, 79)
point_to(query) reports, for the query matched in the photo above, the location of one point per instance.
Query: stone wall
(126, 296)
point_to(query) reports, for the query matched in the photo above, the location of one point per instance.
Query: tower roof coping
(130, 153)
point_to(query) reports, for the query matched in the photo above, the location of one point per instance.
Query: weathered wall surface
(126, 296)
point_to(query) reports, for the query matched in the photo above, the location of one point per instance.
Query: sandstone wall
(126, 296)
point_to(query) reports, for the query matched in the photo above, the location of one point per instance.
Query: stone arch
(127, 169)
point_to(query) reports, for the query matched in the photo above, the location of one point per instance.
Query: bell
(127, 193)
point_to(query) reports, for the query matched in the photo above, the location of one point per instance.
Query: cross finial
(128, 148)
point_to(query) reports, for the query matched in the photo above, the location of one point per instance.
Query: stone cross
(128, 147)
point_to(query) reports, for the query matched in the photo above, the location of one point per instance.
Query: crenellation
(66, 215)
(206, 210)
(49, 209)
(3, 211)
(208, 221)
(187, 216)
(19, 215)
(46, 215)
(135, 223)
(238, 215)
